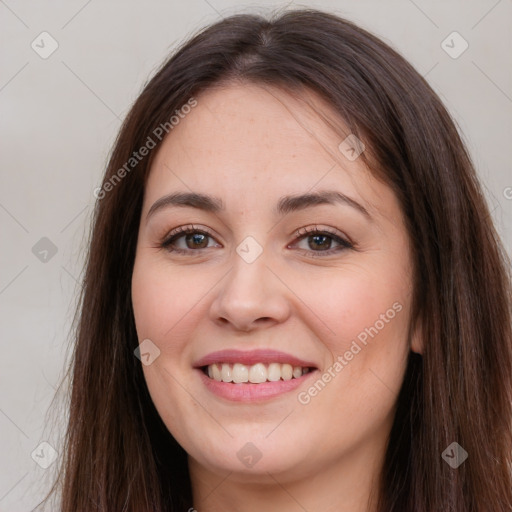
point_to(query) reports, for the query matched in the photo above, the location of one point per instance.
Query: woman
(295, 298)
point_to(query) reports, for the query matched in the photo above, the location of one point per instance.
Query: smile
(255, 374)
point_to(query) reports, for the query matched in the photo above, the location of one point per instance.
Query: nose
(250, 296)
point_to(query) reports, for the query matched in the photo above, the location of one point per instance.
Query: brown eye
(320, 241)
(187, 240)
(196, 241)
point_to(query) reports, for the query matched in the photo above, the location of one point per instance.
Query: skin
(250, 145)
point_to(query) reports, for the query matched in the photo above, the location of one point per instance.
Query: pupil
(322, 237)
(196, 239)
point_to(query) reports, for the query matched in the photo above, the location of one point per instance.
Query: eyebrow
(286, 204)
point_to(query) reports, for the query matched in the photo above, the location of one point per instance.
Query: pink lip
(251, 357)
(247, 392)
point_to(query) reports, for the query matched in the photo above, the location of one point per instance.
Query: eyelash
(300, 234)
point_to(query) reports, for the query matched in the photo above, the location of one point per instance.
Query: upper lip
(250, 357)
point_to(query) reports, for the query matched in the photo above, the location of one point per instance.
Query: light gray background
(58, 120)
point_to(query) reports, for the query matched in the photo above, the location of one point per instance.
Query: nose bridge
(250, 291)
(250, 265)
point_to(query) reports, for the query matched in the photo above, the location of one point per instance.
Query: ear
(416, 336)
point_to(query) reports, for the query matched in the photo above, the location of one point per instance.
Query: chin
(257, 458)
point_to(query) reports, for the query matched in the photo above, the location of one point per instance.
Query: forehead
(245, 134)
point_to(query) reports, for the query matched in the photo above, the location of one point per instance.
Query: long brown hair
(118, 454)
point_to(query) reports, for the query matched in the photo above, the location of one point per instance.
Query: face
(308, 300)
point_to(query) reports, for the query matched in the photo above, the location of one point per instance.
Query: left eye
(319, 241)
(322, 242)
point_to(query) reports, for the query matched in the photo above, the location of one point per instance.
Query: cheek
(358, 389)
(364, 323)
(166, 302)
(359, 306)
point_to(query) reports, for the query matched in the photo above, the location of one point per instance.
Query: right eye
(192, 238)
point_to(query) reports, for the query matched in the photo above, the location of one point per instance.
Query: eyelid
(189, 227)
(301, 232)
(184, 230)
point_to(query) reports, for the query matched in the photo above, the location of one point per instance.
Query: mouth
(248, 376)
(258, 373)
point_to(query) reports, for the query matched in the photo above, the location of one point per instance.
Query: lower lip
(247, 392)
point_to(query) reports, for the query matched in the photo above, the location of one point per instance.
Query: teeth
(216, 372)
(255, 374)
(274, 372)
(240, 373)
(286, 371)
(226, 373)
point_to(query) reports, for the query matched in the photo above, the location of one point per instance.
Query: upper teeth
(255, 374)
